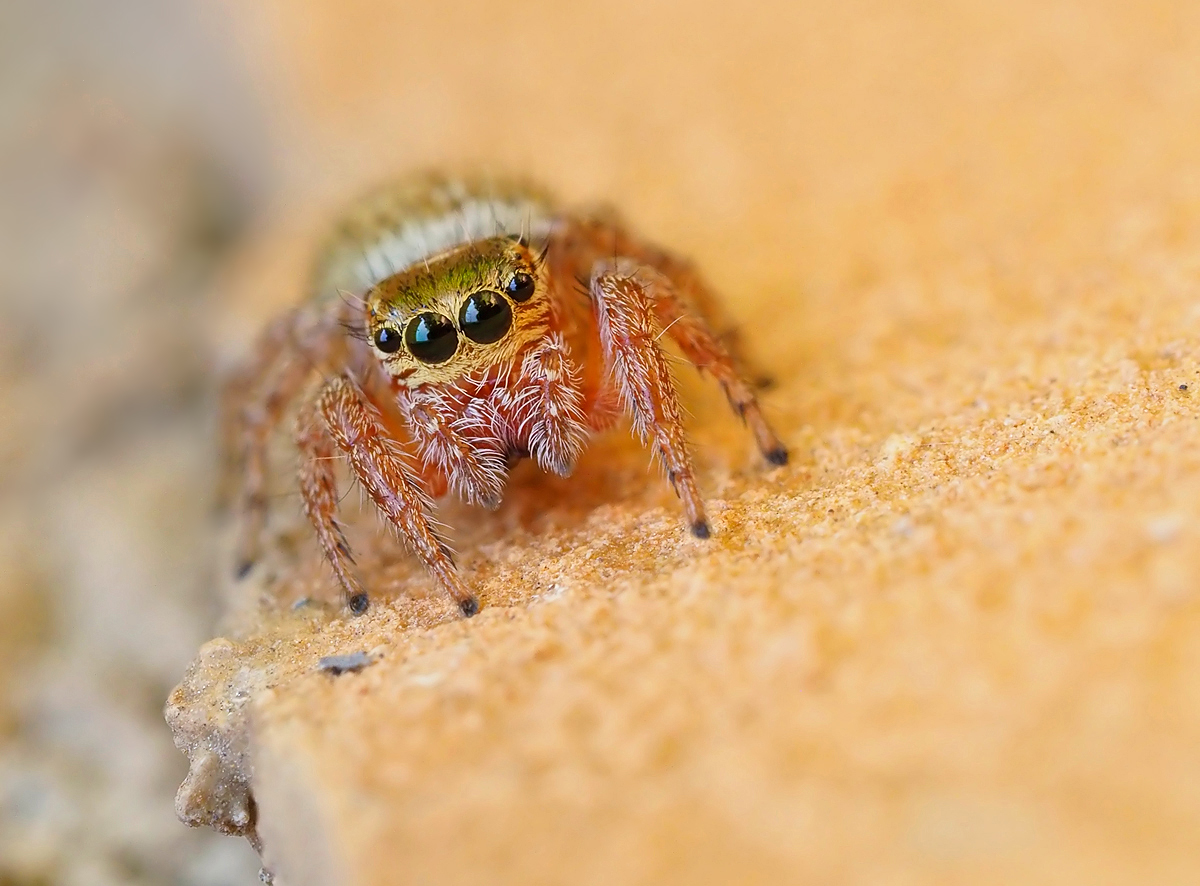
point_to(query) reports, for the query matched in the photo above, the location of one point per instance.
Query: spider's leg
(377, 390)
(391, 479)
(286, 370)
(689, 329)
(628, 335)
(237, 394)
(319, 492)
(287, 355)
(687, 311)
(462, 447)
(548, 406)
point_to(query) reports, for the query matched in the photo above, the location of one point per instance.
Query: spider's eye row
(485, 317)
(431, 338)
(520, 287)
(387, 340)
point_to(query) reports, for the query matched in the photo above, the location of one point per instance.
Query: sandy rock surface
(957, 639)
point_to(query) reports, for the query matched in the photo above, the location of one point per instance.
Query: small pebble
(340, 664)
(1164, 528)
(1183, 387)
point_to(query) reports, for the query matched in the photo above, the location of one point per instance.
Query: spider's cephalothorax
(459, 325)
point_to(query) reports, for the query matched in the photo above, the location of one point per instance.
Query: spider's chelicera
(472, 342)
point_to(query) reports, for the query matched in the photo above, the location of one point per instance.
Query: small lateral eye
(520, 287)
(485, 317)
(388, 339)
(431, 338)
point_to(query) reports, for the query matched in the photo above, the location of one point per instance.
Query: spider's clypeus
(459, 325)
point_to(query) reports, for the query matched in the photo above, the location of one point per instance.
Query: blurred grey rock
(129, 164)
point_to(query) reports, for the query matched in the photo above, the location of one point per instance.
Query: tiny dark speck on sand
(340, 664)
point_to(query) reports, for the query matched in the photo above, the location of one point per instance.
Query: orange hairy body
(459, 326)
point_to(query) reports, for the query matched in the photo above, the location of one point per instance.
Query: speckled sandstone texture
(957, 640)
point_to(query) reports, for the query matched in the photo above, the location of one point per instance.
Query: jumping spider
(485, 325)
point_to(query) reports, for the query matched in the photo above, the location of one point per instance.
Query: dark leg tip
(243, 569)
(700, 529)
(778, 456)
(358, 604)
(469, 606)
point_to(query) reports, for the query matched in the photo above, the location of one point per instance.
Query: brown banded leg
(392, 481)
(685, 308)
(628, 335)
(377, 389)
(236, 393)
(280, 371)
(259, 420)
(705, 351)
(300, 344)
(319, 493)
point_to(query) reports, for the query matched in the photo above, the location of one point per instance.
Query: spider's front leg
(392, 481)
(628, 335)
(705, 350)
(319, 493)
(686, 310)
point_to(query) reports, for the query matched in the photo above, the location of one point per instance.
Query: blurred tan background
(956, 641)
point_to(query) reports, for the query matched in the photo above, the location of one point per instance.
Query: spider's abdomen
(393, 227)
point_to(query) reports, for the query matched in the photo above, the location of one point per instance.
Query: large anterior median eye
(431, 338)
(485, 317)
